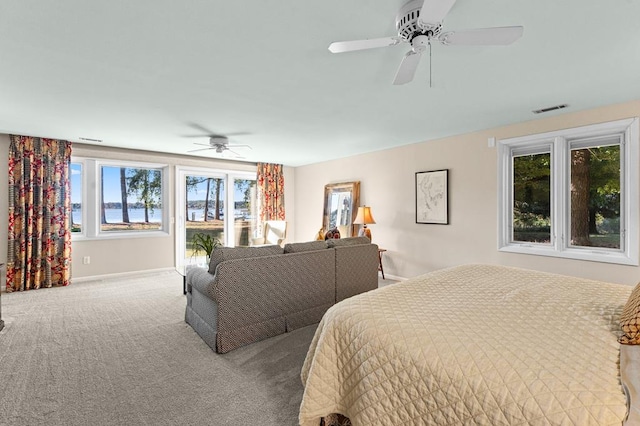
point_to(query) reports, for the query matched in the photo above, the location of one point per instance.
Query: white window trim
(91, 200)
(560, 141)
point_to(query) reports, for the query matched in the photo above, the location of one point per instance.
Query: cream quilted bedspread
(475, 344)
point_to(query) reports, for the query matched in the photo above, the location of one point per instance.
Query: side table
(380, 268)
(183, 269)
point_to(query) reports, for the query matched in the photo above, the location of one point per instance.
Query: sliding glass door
(213, 205)
(245, 210)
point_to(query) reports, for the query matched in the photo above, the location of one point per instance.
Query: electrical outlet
(86, 260)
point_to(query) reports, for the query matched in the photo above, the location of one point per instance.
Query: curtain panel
(39, 241)
(270, 192)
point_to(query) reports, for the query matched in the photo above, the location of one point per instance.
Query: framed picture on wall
(432, 197)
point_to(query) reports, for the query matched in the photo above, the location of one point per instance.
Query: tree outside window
(131, 199)
(572, 193)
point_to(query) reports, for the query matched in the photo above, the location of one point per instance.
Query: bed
(475, 344)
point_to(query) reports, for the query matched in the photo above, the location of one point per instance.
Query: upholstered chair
(275, 232)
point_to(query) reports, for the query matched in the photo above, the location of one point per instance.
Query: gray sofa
(251, 293)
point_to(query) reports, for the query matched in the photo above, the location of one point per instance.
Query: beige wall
(387, 185)
(112, 256)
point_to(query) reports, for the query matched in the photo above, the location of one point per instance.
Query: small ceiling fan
(220, 144)
(419, 22)
(217, 142)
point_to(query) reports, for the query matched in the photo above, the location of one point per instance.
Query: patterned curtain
(39, 252)
(270, 193)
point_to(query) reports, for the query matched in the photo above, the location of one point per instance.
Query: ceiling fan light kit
(419, 22)
(220, 144)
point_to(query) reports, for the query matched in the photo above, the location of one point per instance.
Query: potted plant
(206, 243)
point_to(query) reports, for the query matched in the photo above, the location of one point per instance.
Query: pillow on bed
(630, 319)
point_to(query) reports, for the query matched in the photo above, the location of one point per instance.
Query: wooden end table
(380, 268)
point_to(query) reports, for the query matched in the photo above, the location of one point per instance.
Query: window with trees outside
(571, 193)
(128, 198)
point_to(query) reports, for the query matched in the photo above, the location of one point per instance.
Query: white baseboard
(120, 275)
(392, 277)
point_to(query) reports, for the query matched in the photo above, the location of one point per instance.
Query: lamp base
(365, 232)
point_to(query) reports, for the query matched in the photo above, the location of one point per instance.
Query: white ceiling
(140, 74)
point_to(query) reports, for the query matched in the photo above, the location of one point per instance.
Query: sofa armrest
(356, 270)
(202, 280)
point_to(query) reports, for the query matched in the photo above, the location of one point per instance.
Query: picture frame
(432, 197)
(341, 201)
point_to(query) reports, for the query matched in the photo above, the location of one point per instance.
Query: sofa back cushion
(227, 253)
(352, 241)
(302, 247)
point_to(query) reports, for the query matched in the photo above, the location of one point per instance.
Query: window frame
(561, 143)
(91, 229)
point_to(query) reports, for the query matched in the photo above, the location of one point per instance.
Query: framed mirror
(341, 202)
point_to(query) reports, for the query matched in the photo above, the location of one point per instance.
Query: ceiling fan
(220, 144)
(217, 142)
(419, 22)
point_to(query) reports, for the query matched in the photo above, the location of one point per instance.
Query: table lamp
(364, 217)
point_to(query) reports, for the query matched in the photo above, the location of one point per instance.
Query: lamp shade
(364, 216)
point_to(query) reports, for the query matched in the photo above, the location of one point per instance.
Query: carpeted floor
(118, 352)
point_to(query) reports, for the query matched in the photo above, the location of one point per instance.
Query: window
(130, 199)
(76, 198)
(127, 201)
(569, 193)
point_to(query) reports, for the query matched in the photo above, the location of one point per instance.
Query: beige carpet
(118, 352)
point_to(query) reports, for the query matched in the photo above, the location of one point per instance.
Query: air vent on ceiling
(548, 109)
(90, 140)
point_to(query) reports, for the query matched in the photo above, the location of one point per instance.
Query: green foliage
(532, 186)
(147, 185)
(523, 219)
(245, 185)
(192, 182)
(204, 242)
(604, 176)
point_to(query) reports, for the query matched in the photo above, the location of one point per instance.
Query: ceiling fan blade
(203, 129)
(349, 46)
(201, 149)
(434, 11)
(237, 134)
(235, 154)
(407, 68)
(482, 36)
(202, 144)
(238, 146)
